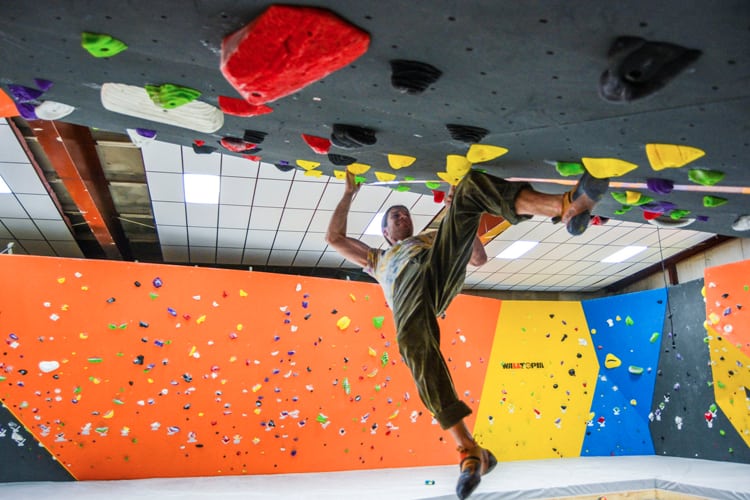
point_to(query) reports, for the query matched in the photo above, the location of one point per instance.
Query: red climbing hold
(650, 215)
(287, 48)
(239, 107)
(320, 145)
(236, 145)
(199, 142)
(252, 157)
(438, 196)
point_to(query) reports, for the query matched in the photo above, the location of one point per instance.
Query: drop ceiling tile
(281, 257)
(21, 178)
(236, 166)
(67, 249)
(269, 171)
(165, 186)
(540, 231)
(201, 237)
(162, 157)
(10, 150)
(4, 233)
(265, 218)
(10, 207)
(229, 256)
(540, 266)
(405, 198)
(234, 216)
(177, 254)
(231, 238)
(295, 219)
(420, 222)
(369, 198)
(54, 230)
(305, 195)
(172, 235)
(255, 257)
(426, 205)
(517, 266)
(204, 215)
(494, 265)
(617, 235)
(332, 195)
(476, 277)
(169, 213)
(313, 242)
(373, 240)
(23, 229)
(320, 221)
(307, 258)
(331, 259)
(260, 239)
(39, 206)
(357, 222)
(204, 255)
(37, 247)
(288, 240)
(194, 163)
(271, 193)
(236, 190)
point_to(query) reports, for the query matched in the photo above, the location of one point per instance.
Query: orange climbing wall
(727, 290)
(219, 372)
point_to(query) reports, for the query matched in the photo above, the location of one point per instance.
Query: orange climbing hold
(7, 106)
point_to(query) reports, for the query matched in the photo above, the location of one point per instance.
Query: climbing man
(420, 275)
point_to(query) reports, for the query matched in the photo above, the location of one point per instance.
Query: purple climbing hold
(24, 94)
(144, 132)
(27, 110)
(702, 218)
(659, 207)
(43, 85)
(158, 282)
(660, 186)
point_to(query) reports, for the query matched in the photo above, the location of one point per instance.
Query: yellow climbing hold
(602, 168)
(632, 197)
(450, 179)
(400, 161)
(201, 319)
(243, 293)
(109, 414)
(385, 176)
(372, 352)
(313, 173)
(61, 280)
(484, 152)
(358, 168)
(308, 165)
(457, 165)
(663, 156)
(612, 361)
(343, 322)
(339, 174)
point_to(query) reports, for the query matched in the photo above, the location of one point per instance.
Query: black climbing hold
(284, 166)
(341, 160)
(352, 136)
(254, 136)
(467, 133)
(413, 77)
(638, 67)
(203, 150)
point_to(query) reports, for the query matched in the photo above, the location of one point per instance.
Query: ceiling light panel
(202, 189)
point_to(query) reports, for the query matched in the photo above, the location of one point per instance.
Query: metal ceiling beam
(72, 152)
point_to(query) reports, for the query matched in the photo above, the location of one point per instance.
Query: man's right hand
(352, 186)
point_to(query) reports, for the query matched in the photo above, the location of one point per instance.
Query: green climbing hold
(705, 177)
(432, 185)
(321, 418)
(170, 96)
(625, 209)
(635, 370)
(631, 198)
(654, 337)
(401, 188)
(359, 179)
(568, 168)
(384, 358)
(721, 384)
(377, 321)
(678, 214)
(101, 45)
(347, 387)
(713, 408)
(713, 201)
(629, 321)
(409, 178)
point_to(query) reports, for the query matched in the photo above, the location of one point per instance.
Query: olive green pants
(425, 289)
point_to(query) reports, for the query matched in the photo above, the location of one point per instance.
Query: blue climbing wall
(628, 329)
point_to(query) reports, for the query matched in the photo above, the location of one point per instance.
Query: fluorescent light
(201, 188)
(375, 228)
(4, 188)
(624, 254)
(517, 249)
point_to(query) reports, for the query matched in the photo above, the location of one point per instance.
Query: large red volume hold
(287, 48)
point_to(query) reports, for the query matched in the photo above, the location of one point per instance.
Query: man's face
(398, 226)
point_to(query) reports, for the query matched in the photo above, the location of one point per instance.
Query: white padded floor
(514, 480)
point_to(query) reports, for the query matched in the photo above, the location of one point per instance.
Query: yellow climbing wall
(540, 382)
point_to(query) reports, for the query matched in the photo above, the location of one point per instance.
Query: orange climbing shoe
(578, 203)
(475, 462)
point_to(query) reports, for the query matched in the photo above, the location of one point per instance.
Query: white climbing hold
(48, 366)
(51, 110)
(742, 223)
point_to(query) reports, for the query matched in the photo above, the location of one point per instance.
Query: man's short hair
(384, 221)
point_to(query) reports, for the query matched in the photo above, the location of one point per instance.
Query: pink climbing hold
(320, 145)
(287, 48)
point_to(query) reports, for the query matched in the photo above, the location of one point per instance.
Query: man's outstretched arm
(351, 249)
